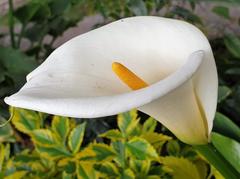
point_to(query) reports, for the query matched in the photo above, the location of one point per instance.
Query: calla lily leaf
(223, 125)
(173, 57)
(218, 161)
(229, 148)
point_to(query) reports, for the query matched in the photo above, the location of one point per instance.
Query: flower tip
(6, 100)
(9, 100)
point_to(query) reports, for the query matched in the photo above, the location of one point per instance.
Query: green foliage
(137, 155)
(86, 171)
(132, 150)
(25, 121)
(14, 66)
(216, 159)
(60, 127)
(36, 20)
(221, 151)
(76, 137)
(181, 168)
(127, 123)
(223, 93)
(173, 148)
(186, 14)
(226, 51)
(138, 7)
(229, 148)
(233, 44)
(225, 126)
(221, 11)
(140, 149)
(6, 132)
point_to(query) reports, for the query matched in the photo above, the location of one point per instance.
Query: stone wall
(4, 5)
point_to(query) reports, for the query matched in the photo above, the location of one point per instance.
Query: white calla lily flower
(172, 56)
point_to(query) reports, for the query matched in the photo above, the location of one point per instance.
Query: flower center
(128, 77)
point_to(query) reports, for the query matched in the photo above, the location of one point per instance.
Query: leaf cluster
(53, 147)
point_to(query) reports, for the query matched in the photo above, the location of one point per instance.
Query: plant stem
(21, 35)
(11, 23)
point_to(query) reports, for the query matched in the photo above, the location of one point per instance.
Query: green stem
(40, 44)
(218, 161)
(11, 23)
(21, 35)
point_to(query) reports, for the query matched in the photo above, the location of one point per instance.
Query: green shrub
(56, 149)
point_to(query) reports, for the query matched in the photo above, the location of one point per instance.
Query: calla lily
(173, 57)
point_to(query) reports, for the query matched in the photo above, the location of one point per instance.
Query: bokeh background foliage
(132, 145)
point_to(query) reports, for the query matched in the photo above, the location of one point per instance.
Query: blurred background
(31, 29)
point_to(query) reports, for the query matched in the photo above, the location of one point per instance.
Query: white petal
(76, 80)
(179, 112)
(59, 98)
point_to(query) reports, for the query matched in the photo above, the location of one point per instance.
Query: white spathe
(174, 57)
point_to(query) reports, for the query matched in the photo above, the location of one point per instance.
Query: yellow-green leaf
(216, 173)
(128, 174)
(103, 152)
(181, 168)
(25, 120)
(86, 154)
(53, 152)
(65, 175)
(149, 125)
(43, 137)
(119, 148)
(47, 145)
(17, 175)
(153, 177)
(85, 170)
(63, 162)
(60, 126)
(156, 139)
(173, 148)
(2, 155)
(97, 152)
(141, 149)
(202, 168)
(140, 167)
(26, 159)
(76, 137)
(37, 166)
(107, 170)
(113, 134)
(127, 122)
